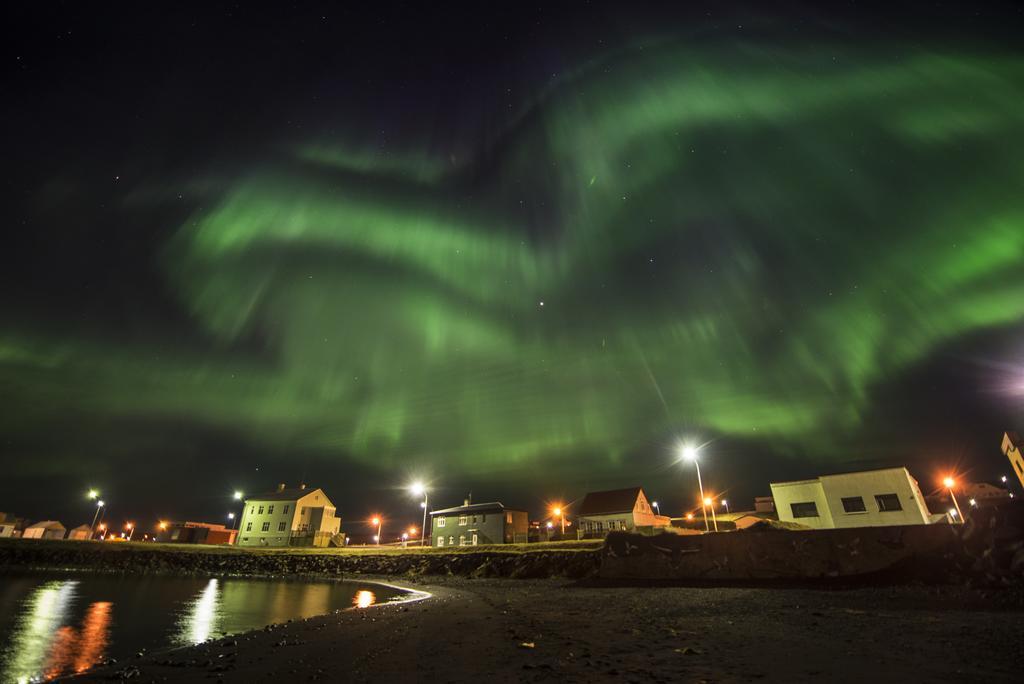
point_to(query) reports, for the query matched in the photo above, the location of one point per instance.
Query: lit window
(854, 504)
(451, 539)
(888, 502)
(462, 540)
(463, 520)
(440, 541)
(266, 527)
(806, 509)
(508, 518)
(441, 522)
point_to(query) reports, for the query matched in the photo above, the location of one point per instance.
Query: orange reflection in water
(364, 599)
(76, 650)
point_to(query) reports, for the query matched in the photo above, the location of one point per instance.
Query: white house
(82, 532)
(8, 525)
(874, 498)
(46, 529)
(618, 509)
(289, 517)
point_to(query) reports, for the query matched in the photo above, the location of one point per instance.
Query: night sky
(520, 251)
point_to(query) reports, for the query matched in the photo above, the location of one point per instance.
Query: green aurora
(742, 242)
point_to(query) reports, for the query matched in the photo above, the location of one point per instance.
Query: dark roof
(612, 501)
(474, 508)
(290, 494)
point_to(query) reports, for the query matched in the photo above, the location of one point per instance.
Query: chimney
(302, 486)
(280, 487)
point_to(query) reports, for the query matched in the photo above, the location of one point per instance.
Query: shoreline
(501, 630)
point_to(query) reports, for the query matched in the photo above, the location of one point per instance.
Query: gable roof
(48, 524)
(474, 508)
(612, 501)
(289, 494)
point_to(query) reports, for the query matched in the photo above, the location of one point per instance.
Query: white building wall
(828, 492)
(788, 493)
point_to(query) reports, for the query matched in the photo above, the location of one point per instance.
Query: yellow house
(289, 517)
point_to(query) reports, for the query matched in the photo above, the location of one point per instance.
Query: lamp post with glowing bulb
(654, 505)
(725, 502)
(690, 454)
(418, 488)
(379, 522)
(950, 483)
(93, 494)
(557, 510)
(710, 503)
(131, 530)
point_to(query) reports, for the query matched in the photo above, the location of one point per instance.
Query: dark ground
(556, 630)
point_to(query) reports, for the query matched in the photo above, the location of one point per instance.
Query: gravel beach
(498, 630)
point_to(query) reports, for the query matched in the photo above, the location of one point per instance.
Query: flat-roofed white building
(289, 517)
(873, 498)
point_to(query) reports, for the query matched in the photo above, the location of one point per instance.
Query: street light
(417, 488)
(557, 510)
(654, 505)
(690, 454)
(709, 503)
(725, 502)
(379, 522)
(974, 503)
(231, 517)
(99, 504)
(131, 530)
(950, 483)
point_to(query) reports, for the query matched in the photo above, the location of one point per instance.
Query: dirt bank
(537, 561)
(555, 630)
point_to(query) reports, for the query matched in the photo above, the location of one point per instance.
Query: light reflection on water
(61, 627)
(364, 599)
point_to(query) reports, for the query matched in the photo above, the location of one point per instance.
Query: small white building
(80, 533)
(46, 529)
(289, 517)
(874, 498)
(8, 525)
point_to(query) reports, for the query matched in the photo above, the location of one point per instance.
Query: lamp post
(560, 513)
(99, 504)
(417, 488)
(654, 505)
(690, 454)
(131, 530)
(231, 517)
(709, 503)
(725, 503)
(950, 483)
(379, 522)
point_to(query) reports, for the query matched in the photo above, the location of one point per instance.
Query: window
(441, 522)
(474, 539)
(462, 540)
(252, 509)
(270, 509)
(888, 502)
(261, 510)
(248, 527)
(266, 527)
(854, 504)
(508, 518)
(440, 541)
(599, 526)
(280, 527)
(451, 539)
(474, 520)
(611, 525)
(245, 539)
(806, 509)
(286, 507)
(463, 520)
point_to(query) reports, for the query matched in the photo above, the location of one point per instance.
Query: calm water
(57, 624)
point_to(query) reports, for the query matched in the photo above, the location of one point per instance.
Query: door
(474, 539)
